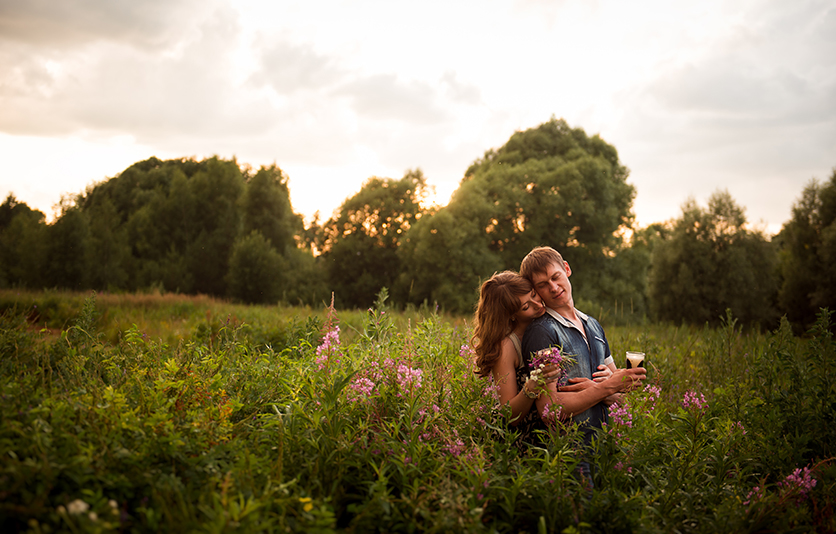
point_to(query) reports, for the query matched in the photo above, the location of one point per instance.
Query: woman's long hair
(499, 302)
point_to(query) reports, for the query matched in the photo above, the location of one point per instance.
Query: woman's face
(531, 307)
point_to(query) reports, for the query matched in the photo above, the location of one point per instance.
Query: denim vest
(554, 330)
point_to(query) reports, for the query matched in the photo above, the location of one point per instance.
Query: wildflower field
(173, 414)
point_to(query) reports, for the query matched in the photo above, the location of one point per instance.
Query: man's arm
(584, 394)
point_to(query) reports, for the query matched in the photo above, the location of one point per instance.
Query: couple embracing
(518, 316)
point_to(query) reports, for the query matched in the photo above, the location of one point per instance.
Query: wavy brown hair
(499, 301)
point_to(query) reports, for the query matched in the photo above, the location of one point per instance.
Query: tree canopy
(708, 262)
(807, 254)
(550, 185)
(213, 226)
(359, 244)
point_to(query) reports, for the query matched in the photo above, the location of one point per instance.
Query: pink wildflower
(653, 393)
(621, 467)
(547, 356)
(329, 347)
(455, 448)
(691, 399)
(755, 495)
(621, 415)
(408, 377)
(799, 481)
(359, 389)
(550, 414)
(492, 391)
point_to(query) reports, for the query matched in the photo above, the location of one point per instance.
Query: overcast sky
(695, 95)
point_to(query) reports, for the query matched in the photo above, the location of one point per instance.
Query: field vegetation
(152, 413)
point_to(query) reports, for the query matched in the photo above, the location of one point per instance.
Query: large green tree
(550, 185)
(256, 270)
(359, 245)
(180, 218)
(68, 251)
(110, 251)
(266, 208)
(710, 261)
(216, 187)
(808, 253)
(443, 261)
(22, 244)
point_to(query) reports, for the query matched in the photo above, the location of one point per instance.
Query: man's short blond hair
(538, 261)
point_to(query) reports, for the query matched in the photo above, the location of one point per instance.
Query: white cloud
(694, 95)
(56, 25)
(753, 112)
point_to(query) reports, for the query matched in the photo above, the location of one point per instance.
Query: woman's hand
(533, 386)
(550, 373)
(602, 373)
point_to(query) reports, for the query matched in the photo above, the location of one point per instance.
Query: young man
(577, 335)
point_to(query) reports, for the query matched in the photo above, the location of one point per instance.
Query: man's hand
(626, 379)
(614, 398)
(577, 384)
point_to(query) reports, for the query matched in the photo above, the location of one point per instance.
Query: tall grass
(276, 419)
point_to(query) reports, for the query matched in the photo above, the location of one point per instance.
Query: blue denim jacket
(552, 329)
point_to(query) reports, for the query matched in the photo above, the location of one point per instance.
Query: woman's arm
(504, 374)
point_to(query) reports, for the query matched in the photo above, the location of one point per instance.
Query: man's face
(553, 285)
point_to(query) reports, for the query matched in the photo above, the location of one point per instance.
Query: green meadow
(161, 412)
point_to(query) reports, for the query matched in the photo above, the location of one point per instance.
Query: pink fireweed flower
(359, 389)
(755, 495)
(551, 355)
(547, 356)
(329, 347)
(408, 377)
(800, 481)
(653, 392)
(695, 400)
(620, 415)
(551, 414)
(455, 448)
(621, 467)
(491, 391)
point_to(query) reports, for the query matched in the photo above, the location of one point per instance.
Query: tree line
(216, 227)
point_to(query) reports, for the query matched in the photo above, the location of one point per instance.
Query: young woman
(507, 304)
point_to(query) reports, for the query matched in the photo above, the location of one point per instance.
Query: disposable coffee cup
(635, 359)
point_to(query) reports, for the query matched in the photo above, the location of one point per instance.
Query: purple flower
(653, 392)
(547, 356)
(692, 399)
(621, 415)
(329, 347)
(408, 377)
(799, 481)
(359, 389)
(755, 495)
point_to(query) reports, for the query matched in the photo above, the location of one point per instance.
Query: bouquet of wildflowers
(551, 355)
